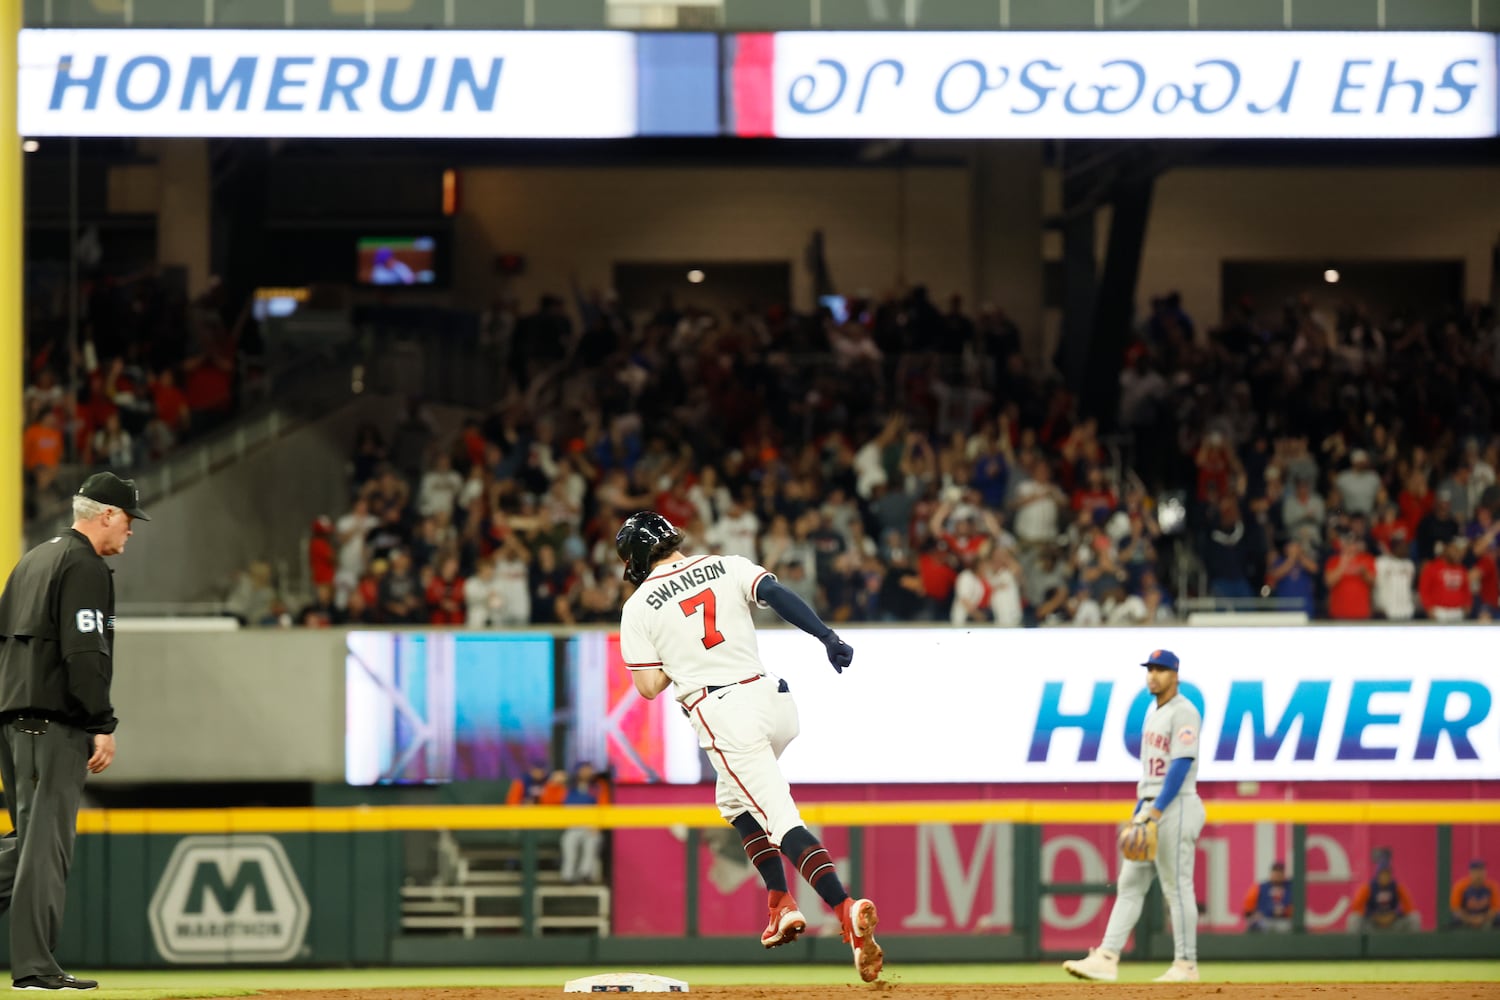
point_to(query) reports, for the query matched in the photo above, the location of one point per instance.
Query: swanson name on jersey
(684, 582)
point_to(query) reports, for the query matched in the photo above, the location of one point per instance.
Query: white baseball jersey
(691, 618)
(1171, 732)
(1393, 587)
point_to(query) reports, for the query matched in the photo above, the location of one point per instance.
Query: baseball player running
(688, 627)
(1168, 802)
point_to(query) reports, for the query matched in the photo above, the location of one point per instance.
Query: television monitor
(396, 261)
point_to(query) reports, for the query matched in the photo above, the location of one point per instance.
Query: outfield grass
(158, 985)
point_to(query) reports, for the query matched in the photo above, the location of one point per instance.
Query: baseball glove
(1138, 841)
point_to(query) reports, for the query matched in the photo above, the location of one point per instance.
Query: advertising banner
(945, 878)
(229, 898)
(877, 84)
(328, 84)
(1371, 704)
(1114, 85)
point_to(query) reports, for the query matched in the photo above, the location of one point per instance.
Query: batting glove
(840, 653)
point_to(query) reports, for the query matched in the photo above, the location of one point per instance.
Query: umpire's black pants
(43, 777)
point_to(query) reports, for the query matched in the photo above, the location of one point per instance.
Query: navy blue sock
(814, 864)
(761, 852)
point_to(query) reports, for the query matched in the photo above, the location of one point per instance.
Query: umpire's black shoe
(63, 982)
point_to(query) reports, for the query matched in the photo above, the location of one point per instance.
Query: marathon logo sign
(229, 899)
(327, 84)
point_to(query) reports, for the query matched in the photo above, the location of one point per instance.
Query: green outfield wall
(227, 893)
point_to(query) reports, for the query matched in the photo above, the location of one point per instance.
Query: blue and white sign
(328, 84)
(1375, 703)
(1129, 85)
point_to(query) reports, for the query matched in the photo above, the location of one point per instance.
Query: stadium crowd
(907, 465)
(150, 370)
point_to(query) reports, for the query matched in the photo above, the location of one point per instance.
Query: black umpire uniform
(57, 636)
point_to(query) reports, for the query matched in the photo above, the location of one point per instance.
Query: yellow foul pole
(12, 223)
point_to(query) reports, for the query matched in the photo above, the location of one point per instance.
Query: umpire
(57, 637)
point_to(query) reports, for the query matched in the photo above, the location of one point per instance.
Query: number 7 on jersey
(704, 599)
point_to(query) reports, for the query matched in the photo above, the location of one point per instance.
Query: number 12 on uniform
(704, 599)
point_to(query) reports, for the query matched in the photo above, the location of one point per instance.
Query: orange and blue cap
(1163, 658)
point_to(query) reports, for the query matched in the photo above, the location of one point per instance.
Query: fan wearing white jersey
(688, 627)
(1167, 795)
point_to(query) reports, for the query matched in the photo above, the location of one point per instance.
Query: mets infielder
(1162, 839)
(688, 627)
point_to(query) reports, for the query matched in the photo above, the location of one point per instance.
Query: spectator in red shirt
(1095, 495)
(965, 541)
(171, 405)
(322, 559)
(1444, 586)
(97, 407)
(209, 387)
(674, 504)
(368, 591)
(1216, 466)
(358, 612)
(1389, 525)
(938, 578)
(1415, 501)
(1350, 575)
(445, 595)
(473, 442)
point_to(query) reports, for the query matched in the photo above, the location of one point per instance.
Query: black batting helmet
(644, 538)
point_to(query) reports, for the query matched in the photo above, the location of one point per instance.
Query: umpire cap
(110, 490)
(644, 538)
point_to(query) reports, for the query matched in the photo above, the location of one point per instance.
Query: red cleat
(858, 919)
(786, 923)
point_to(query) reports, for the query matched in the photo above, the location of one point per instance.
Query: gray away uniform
(1172, 731)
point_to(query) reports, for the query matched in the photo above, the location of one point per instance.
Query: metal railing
(1242, 605)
